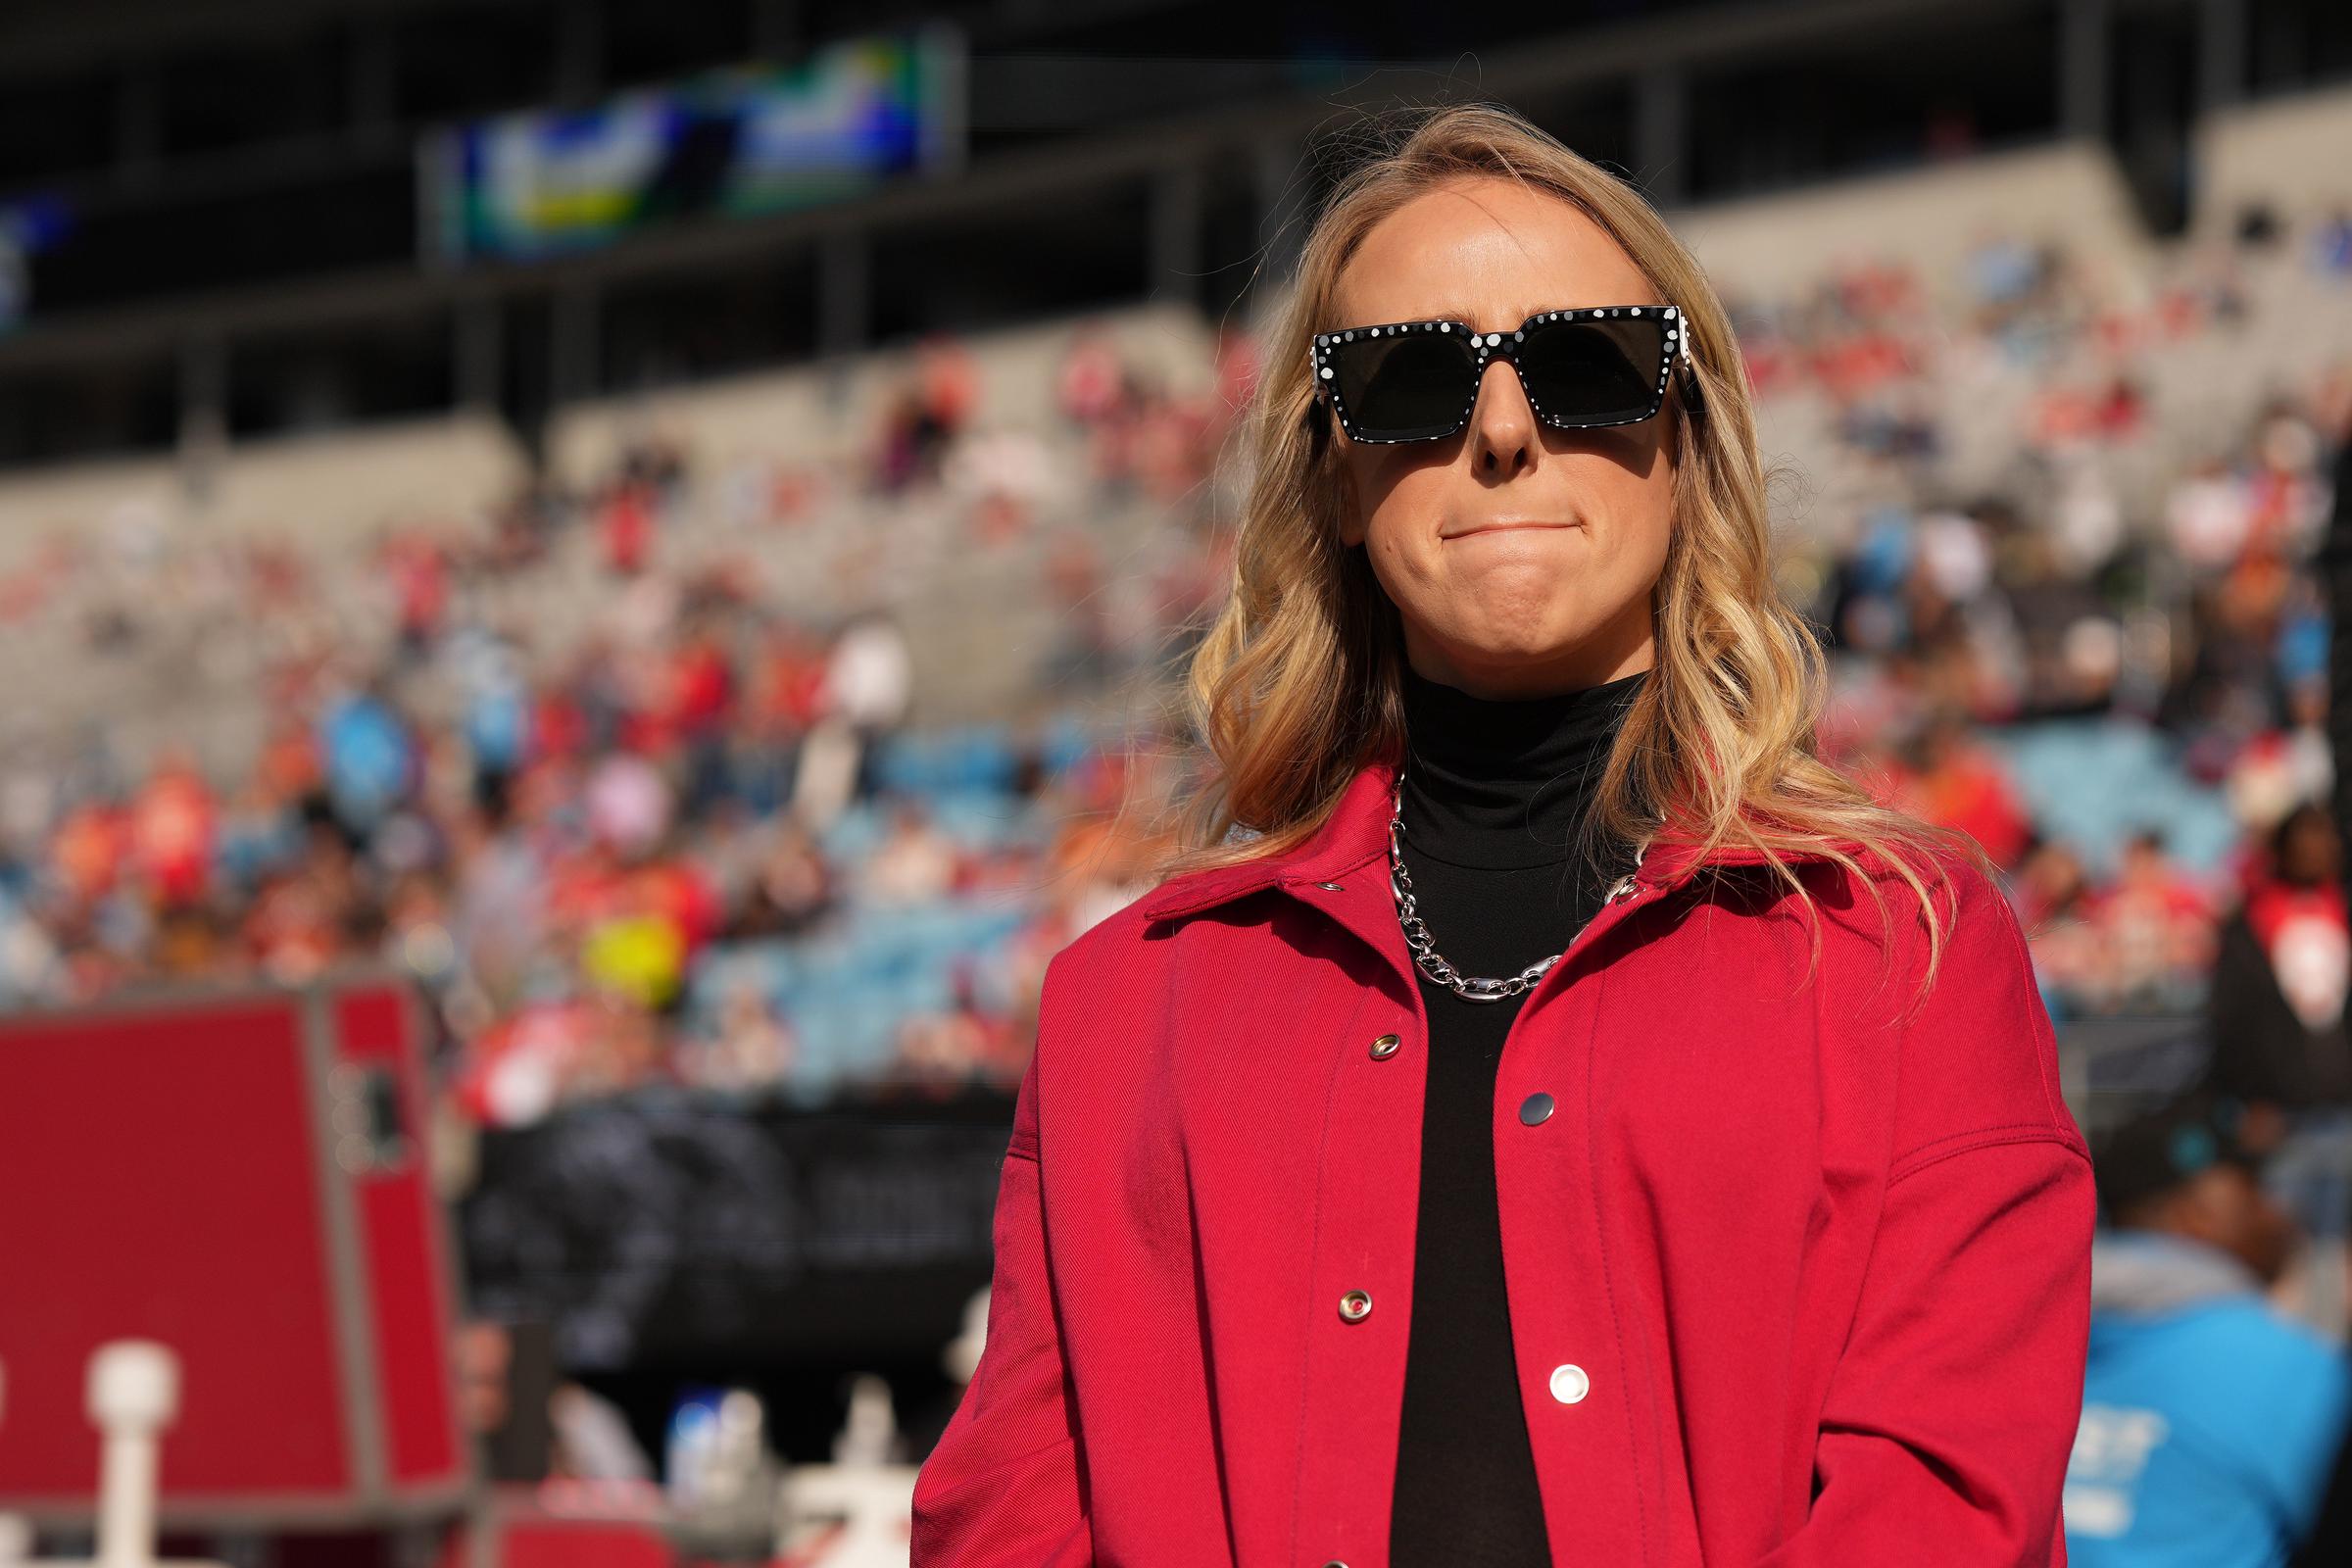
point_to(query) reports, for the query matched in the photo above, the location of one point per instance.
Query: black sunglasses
(1418, 380)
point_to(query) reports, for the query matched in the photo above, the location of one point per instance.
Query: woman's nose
(1502, 423)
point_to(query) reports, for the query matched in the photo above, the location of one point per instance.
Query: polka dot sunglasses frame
(1581, 392)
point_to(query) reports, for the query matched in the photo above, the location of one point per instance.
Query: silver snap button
(1355, 1305)
(1329, 887)
(1384, 1046)
(1535, 1107)
(1569, 1383)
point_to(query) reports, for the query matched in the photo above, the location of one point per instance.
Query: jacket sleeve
(1953, 1407)
(1004, 1485)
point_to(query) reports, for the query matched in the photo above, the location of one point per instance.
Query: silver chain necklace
(1424, 946)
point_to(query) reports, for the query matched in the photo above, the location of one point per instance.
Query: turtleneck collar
(1503, 782)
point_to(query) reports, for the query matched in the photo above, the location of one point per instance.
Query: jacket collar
(1356, 834)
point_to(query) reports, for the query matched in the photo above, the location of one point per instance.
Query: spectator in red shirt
(171, 827)
(1961, 783)
(627, 528)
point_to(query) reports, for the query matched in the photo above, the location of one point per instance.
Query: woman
(1783, 1252)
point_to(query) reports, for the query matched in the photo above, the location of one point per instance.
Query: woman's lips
(1509, 527)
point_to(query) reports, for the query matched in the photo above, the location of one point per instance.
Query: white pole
(133, 1395)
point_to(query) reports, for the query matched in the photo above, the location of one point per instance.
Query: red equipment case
(242, 1176)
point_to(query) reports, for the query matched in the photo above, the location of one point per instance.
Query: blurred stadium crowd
(630, 821)
(696, 841)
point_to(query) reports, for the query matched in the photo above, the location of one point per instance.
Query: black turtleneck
(1494, 792)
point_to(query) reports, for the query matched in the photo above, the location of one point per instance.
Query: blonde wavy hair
(1294, 685)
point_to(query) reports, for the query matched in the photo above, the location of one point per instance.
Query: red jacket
(1791, 1281)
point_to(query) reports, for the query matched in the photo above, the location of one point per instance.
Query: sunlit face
(1520, 557)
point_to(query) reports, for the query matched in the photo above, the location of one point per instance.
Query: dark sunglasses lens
(1410, 387)
(1605, 371)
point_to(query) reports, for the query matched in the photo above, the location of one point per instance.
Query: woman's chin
(1495, 649)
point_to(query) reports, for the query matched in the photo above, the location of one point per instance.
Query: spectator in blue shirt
(2211, 1420)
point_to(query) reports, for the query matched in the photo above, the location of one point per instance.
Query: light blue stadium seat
(2093, 781)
